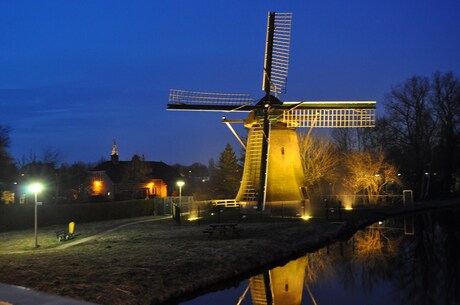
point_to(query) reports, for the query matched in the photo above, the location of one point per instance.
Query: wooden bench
(222, 229)
(63, 235)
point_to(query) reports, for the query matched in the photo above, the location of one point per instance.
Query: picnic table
(222, 229)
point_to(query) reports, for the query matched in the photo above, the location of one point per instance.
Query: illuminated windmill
(273, 171)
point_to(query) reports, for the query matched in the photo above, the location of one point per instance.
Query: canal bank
(405, 259)
(153, 262)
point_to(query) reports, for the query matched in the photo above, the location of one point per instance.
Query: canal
(411, 259)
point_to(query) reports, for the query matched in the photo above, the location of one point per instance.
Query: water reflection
(406, 260)
(281, 285)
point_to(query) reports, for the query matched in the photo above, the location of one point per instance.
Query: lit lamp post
(36, 188)
(180, 184)
(176, 208)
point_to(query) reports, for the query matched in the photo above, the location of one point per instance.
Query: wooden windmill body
(273, 174)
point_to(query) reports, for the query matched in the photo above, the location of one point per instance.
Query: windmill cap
(270, 99)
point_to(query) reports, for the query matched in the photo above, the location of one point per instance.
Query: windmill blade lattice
(329, 114)
(209, 101)
(329, 118)
(277, 52)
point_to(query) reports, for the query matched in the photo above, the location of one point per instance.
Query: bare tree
(379, 138)
(345, 139)
(414, 125)
(369, 174)
(319, 158)
(137, 171)
(51, 155)
(7, 166)
(445, 97)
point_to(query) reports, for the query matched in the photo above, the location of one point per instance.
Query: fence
(14, 217)
(331, 208)
(165, 206)
(341, 206)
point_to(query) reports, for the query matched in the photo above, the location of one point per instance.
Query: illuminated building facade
(135, 179)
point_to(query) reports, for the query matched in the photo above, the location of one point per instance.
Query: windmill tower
(273, 175)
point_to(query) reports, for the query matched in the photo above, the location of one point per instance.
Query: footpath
(92, 237)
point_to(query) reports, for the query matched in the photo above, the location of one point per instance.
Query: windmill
(273, 170)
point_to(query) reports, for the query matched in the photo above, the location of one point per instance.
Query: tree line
(418, 134)
(63, 182)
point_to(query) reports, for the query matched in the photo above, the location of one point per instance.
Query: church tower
(114, 155)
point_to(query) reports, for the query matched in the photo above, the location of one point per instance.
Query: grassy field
(148, 262)
(23, 240)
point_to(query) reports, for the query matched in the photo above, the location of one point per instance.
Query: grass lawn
(147, 262)
(24, 240)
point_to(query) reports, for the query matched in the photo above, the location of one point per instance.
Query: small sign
(39, 203)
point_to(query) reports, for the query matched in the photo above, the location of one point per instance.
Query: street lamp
(36, 188)
(180, 184)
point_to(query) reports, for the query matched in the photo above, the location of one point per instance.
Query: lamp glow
(180, 184)
(36, 187)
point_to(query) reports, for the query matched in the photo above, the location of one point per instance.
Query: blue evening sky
(76, 74)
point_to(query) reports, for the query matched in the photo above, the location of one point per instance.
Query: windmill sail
(277, 52)
(209, 101)
(274, 81)
(329, 114)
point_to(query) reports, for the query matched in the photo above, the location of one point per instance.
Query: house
(135, 179)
